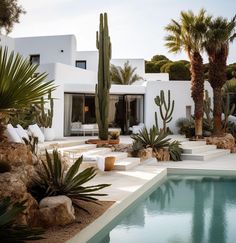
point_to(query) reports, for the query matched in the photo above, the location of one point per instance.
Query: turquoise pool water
(182, 210)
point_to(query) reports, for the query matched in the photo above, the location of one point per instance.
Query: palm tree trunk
(197, 88)
(217, 111)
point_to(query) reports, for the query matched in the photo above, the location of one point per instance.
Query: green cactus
(166, 109)
(104, 82)
(44, 119)
(208, 119)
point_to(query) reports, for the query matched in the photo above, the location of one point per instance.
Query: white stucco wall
(49, 48)
(156, 76)
(7, 41)
(91, 58)
(180, 92)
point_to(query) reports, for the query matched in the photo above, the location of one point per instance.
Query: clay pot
(114, 141)
(109, 163)
(101, 142)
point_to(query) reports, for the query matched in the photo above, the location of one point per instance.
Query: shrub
(186, 127)
(175, 151)
(53, 180)
(157, 58)
(177, 71)
(151, 139)
(9, 232)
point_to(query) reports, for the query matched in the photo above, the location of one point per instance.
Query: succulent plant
(175, 151)
(11, 233)
(52, 180)
(32, 143)
(114, 134)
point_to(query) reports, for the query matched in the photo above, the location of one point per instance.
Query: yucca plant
(32, 143)
(53, 180)
(175, 151)
(151, 139)
(19, 86)
(11, 233)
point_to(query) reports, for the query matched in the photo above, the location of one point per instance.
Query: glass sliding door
(89, 109)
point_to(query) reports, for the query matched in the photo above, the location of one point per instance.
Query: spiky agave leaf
(52, 180)
(15, 233)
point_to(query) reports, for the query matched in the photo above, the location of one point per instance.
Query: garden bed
(62, 234)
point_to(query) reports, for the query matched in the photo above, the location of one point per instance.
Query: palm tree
(188, 35)
(125, 75)
(218, 36)
(20, 87)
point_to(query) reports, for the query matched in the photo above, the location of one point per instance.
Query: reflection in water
(187, 210)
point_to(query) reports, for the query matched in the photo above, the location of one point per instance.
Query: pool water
(182, 210)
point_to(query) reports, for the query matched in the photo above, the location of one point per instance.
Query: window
(80, 64)
(35, 59)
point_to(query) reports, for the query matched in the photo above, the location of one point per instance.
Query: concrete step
(206, 155)
(127, 163)
(190, 144)
(98, 151)
(118, 155)
(198, 149)
(73, 150)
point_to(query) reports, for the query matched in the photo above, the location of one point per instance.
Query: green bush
(177, 71)
(53, 180)
(154, 67)
(157, 58)
(175, 151)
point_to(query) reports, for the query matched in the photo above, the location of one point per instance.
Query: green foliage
(24, 117)
(175, 151)
(32, 143)
(4, 166)
(151, 139)
(11, 233)
(229, 86)
(227, 108)
(208, 113)
(53, 180)
(231, 128)
(10, 12)
(114, 134)
(104, 82)
(177, 71)
(154, 67)
(157, 58)
(166, 109)
(186, 127)
(125, 75)
(44, 119)
(137, 145)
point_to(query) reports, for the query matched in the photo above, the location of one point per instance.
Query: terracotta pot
(109, 163)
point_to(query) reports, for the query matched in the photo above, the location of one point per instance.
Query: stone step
(73, 150)
(127, 163)
(198, 149)
(118, 155)
(98, 151)
(187, 144)
(206, 155)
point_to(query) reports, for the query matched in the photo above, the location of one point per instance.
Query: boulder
(162, 154)
(144, 154)
(14, 187)
(224, 142)
(56, 210)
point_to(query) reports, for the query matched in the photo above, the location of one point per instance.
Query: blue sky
(136, 26)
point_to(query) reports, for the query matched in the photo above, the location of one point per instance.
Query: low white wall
(180, 92)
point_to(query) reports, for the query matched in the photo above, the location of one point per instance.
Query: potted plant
(44, 119)
(114, 137)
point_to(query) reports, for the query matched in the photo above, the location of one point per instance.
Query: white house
(75, 74)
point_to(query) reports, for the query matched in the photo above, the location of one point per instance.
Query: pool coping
(97, 225)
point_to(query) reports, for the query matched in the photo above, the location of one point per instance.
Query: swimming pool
(183, 209)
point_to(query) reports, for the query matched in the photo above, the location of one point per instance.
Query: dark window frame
(81, 61)
(33, 56)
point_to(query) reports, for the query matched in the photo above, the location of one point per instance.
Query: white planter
(49, 134)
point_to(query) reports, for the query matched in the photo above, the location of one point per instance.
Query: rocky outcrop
(144, 154)
(162, 154)
(14, 183)
(224, 142)
(57, 210)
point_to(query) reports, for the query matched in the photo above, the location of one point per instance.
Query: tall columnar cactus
(166, 108)
(44, 119)
(208, 119)
(104, 82)
(228, 109)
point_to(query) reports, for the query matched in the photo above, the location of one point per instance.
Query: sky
(136, 26)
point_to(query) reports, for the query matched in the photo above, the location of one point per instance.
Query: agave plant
(151, 139)
(53, 180)
(10, 232)
(175, 151)
(19, 86)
